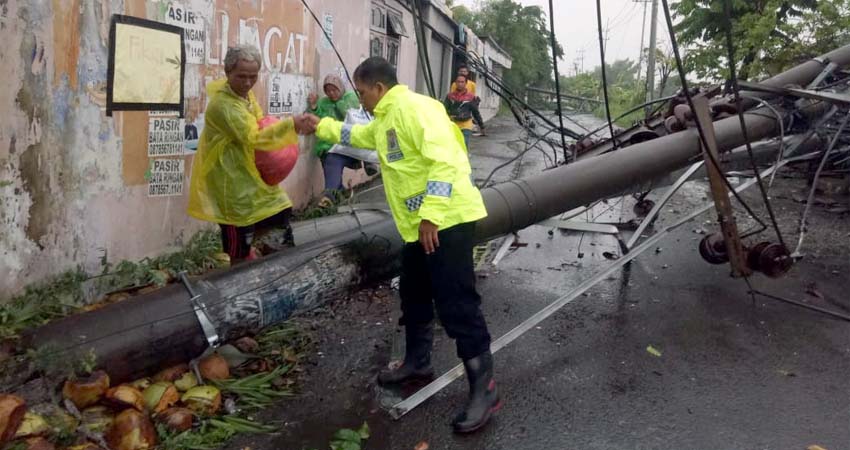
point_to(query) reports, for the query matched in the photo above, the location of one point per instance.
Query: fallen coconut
(58, 419)
(258, 365)
(214, 367)
(186, 382)
(124, 396)
(247, 344)
(12, 412)
(96, 419)
(171, 373)
(32, 425)
(141, 384)
(86, 391)
(160, 396)
(205, 400)
(131, 430)
(176, 419)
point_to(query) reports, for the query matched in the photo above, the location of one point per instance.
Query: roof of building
(492, 42)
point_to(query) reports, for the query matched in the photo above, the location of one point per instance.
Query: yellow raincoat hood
(226, 187)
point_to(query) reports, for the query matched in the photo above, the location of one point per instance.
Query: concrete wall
(497, 61)
(73, 181)
(439, 53)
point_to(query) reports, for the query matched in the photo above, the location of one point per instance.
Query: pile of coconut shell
(95, 415)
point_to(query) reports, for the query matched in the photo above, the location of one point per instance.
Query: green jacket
(424, 163)
(326, 107)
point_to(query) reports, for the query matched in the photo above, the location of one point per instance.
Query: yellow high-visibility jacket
(226, 186)
(424, 163)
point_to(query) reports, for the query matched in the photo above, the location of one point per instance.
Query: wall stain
(37, 184)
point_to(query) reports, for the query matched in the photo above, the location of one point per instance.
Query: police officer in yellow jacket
(426, 175)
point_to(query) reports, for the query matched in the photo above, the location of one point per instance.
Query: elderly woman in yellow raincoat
(226, 187)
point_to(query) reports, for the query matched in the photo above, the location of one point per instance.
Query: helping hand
(312, 98)
(428, 236)
(305, 123)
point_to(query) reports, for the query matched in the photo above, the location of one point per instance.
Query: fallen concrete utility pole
(801, 75)
(141, 334)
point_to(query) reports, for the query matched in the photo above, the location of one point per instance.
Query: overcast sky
(576, 29)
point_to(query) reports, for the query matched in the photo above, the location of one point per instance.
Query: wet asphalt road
(733, 373)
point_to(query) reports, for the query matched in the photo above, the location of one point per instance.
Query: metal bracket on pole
(201, 312)
(661, 202)
(827, 71)
(725, 215)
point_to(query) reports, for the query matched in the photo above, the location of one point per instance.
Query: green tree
(464, 15)
(768, 35)
(523, 32)
(625, 91)
(666, 79)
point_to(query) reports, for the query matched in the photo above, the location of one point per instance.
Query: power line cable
(810, 199)
(331, 42)
(554, 46)
(422, 47)
(730, 49)
(604, 77)
(481, 66)
(686, 90)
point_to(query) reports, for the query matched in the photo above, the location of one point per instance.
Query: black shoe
(417, 357)
(370, 168)
(483, 397)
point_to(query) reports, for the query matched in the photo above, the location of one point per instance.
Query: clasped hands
(305, 123)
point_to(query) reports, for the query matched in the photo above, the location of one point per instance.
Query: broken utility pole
(141, 334)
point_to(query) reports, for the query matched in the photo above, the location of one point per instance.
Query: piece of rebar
(835, 314)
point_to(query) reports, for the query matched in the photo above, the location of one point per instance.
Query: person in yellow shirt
(226, 187)
(435, 206)
(462, 108)
(470, 85)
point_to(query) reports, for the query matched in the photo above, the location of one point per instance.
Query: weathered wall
(73, 181)
(439, 53)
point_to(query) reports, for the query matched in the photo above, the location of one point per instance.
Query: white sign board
(194, 31)
(280, 99)
(165, 136)
(166, 177)
(288, 93)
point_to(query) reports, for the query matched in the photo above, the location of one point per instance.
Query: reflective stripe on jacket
(424, 164)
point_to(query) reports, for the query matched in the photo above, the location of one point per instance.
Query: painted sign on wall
(166, 177)
(165, 136)
(194, 31)
(280, 102)
(275, 27)
(287, 93)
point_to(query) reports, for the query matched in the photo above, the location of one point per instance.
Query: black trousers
(445, 280)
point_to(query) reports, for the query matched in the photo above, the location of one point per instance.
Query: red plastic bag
(275, 165)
